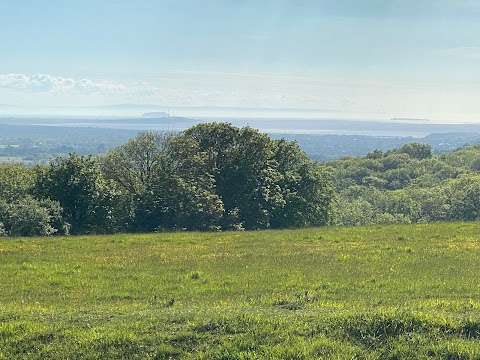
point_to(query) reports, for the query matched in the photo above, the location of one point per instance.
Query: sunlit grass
(300, 294)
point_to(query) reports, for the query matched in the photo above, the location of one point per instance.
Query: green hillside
(386, 292)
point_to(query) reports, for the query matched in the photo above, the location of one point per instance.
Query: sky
(346, 58)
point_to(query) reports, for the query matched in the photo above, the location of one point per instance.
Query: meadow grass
(379, 292)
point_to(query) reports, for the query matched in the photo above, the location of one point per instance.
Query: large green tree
(305, 188)
(417, 150)
(262, 183)
(164, 177)
(77, 184)
(137, 169)
(242, 164)
(218, 176)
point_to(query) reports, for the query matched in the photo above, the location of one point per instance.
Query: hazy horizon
(370, 59)
(220, 113)
(138, 110)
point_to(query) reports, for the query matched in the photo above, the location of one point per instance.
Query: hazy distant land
(44, 136)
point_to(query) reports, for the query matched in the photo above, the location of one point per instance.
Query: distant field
(382, 292)
(10, 159)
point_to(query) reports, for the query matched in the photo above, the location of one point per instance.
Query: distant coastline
(367, 127)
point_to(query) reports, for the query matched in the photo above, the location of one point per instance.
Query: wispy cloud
(58, 84)
(38, 82)
(466, 52)
(182, 89)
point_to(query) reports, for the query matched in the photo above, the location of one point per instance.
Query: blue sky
(359, 58)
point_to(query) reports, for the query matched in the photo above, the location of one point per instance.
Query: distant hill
(156, 114)
(410, 119)
(130, 106)
(150, 120)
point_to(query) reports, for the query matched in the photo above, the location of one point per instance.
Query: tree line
(209, 177)
(220, 177)
(408, 185)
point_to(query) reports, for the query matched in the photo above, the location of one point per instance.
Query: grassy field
(382, 292)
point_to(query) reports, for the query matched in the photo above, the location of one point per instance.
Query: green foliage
(417, 150)
(209, 177)
(136, 165)
(217, 176)
(15, 181)
(305, 186)
(463, 157)
(242, 164)
(27, 217)
(164, 177)
(136, 168)
(263, 183)
(464, 195)
(30, 217)
(407, 185)
(76, 182)
(357, 211)
(188, 189)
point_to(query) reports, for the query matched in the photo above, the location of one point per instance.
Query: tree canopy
(210, 177)
(215, 176)
(407, 185)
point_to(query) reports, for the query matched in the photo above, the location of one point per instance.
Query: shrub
(29, 217)
(3, 232)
